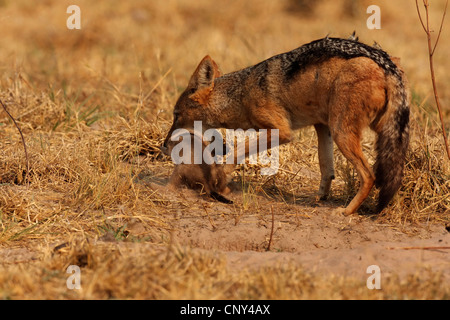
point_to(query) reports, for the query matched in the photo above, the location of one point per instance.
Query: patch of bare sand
(311, 237)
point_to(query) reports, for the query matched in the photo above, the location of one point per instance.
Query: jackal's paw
(343, 212)
(322, 197)
(338, 212)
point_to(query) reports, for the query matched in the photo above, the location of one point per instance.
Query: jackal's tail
(392, 141)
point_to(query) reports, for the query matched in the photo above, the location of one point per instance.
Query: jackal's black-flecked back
(296, 60)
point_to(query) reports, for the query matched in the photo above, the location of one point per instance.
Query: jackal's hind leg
(350, 146)
(325, 142)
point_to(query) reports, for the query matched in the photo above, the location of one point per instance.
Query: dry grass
(94, 106)
(193, 275)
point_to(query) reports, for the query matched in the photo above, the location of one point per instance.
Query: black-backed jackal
(340, 86)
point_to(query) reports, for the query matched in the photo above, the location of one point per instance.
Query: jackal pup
(211, 178)
(340, 86)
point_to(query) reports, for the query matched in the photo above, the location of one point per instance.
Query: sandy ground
(310, 236)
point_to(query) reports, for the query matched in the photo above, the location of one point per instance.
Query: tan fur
(339, 96)
(210, 179)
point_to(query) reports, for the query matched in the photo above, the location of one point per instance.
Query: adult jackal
(341, 86)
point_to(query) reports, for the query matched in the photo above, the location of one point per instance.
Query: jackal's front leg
(325, 159)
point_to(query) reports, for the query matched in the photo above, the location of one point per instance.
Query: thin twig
(271, 230)
(157, 84)
(214, 228)
(418, 248)
(23, 140)
(420, 16)
(440, 28)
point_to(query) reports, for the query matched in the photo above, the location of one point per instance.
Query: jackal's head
(192, 103)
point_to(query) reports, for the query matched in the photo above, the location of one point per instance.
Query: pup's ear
(203, 77)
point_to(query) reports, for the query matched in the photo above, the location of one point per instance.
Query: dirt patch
(310, 236)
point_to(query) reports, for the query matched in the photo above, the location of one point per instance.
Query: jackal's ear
(205, 74)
